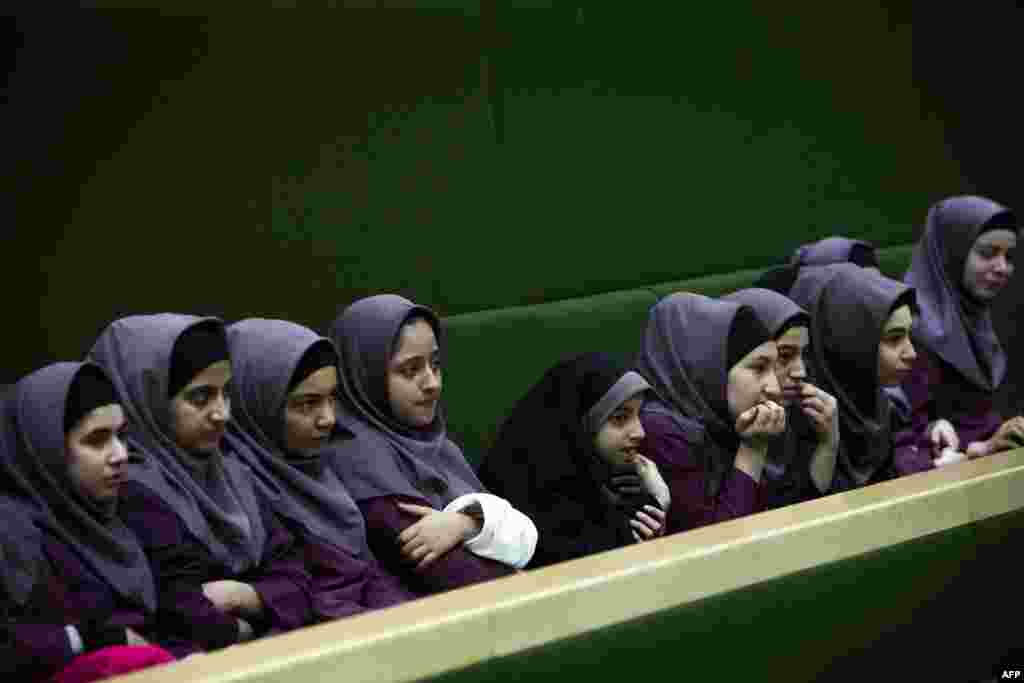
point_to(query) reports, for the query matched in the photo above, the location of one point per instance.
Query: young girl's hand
(649, 523)
(233, 597)
(820, 407)
(434, 534)
(943, 436)
(760, 423)
(1010, 435)
(653, 482)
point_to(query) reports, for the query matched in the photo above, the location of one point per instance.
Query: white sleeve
(507, 535)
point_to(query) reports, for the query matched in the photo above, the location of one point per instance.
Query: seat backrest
(493, 357)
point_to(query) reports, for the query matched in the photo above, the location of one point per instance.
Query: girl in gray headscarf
(801, 465)
(79, 597)
(224, 562)
(963, 261)
(284, 388)
(429, 520)
(836, 250)
(712, 366)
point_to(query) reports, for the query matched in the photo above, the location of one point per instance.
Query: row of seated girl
(826, 376)
(193, 485)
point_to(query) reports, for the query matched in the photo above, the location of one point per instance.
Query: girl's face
(789, 368)
(753, 380)
(896, 353)
(621, 435)
(414, 375)
(201, 410)
(96, 455)
(309, 411)
(989, 264)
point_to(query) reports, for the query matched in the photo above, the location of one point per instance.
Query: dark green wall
(284, 163)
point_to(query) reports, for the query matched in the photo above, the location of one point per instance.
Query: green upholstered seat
(493, 357)
(892, 260)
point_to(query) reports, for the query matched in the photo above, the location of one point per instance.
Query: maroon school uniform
(669, 447)
(182, 565)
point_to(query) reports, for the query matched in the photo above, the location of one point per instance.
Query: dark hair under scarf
(386, 457)
(94, 531)
(849, 307)
(218, 504)
(267, 358)
(778, 279)
(953, 324)
(779, 313)
(684, 357)
(89, 390)
(836, 250)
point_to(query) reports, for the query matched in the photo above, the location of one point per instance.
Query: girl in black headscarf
(569, 456)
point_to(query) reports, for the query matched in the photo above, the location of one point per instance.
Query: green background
(284, 163)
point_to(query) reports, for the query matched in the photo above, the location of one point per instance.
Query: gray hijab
(95, 533)
(849, 307)
(776, 311)
(21, 550)
(683, 357)
(218, 502)
(952, 324)
(827, 251)
(387, 458)
(21, 508)
(264, 356)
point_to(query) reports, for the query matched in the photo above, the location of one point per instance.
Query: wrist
(247, 601)
(471, 524)
(750, 460)
(979, 448)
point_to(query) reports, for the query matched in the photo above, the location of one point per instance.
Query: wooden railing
(448, 632)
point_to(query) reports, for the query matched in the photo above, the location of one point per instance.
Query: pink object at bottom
(111, 661)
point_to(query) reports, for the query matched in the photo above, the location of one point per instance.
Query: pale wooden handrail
(459, 628)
